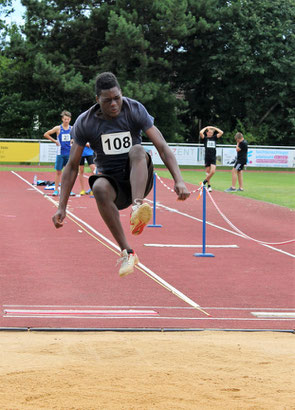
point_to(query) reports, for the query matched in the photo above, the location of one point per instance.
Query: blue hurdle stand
(204, 254)
(154, 225)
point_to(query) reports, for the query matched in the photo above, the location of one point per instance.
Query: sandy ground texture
(147, 370)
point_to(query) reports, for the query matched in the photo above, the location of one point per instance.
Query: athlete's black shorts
(89, 159)
(238, 166)
(210, 159)
(121, 183)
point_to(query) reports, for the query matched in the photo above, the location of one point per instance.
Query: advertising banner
(228, 156)
(47, 152)
(42, 152)
(19, 151)
(270, 158)
(262, 157)
(184, 155)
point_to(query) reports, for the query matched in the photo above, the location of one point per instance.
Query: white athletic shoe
(128, 261)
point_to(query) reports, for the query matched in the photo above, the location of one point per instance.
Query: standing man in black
(241, 161)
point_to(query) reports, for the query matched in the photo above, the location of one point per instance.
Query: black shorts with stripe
(238, 166)
(121, 183)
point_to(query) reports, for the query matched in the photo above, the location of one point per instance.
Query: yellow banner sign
(19, 151)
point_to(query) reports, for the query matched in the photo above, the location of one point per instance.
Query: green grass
(277, 187)
(18, 168)
(274, 187)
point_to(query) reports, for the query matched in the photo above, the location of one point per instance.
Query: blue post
(204, 228)
(154, 225)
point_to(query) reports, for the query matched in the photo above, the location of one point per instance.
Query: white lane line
(287, 315)
(146, 307)
(163, 245)
(130, 312)
(236, 319)
(219, 227)
(78, 312)
(145, 269)
(250, 308)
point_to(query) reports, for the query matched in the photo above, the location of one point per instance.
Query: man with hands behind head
(210, 135)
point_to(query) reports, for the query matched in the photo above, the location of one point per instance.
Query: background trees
(191, 62)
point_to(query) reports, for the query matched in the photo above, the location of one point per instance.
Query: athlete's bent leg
(138, 160)
(105, 195)
(141, 212)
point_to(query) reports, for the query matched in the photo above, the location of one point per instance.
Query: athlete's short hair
(105, 81)
(67, 113)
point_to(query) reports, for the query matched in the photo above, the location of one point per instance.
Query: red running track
(67, 278)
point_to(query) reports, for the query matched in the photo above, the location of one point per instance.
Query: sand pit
(147, 370)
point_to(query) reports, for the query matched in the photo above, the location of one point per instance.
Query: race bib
(66, 137)
(211, 144)
(117, 143)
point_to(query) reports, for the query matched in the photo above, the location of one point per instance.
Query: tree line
(190, 62)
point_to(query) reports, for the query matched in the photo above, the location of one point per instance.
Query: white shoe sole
(131, 268)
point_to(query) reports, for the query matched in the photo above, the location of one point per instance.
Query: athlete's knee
(137, 152)
(103, 190)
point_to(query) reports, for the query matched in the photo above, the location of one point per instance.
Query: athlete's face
(66, 120)
(110, 102)
(209, 133)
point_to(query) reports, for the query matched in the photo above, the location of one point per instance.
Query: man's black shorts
(238, 166)
(89, 159)
(121, 183)
(210, 159)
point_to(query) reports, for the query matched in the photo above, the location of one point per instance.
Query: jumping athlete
(210, 135)
(113, 128)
